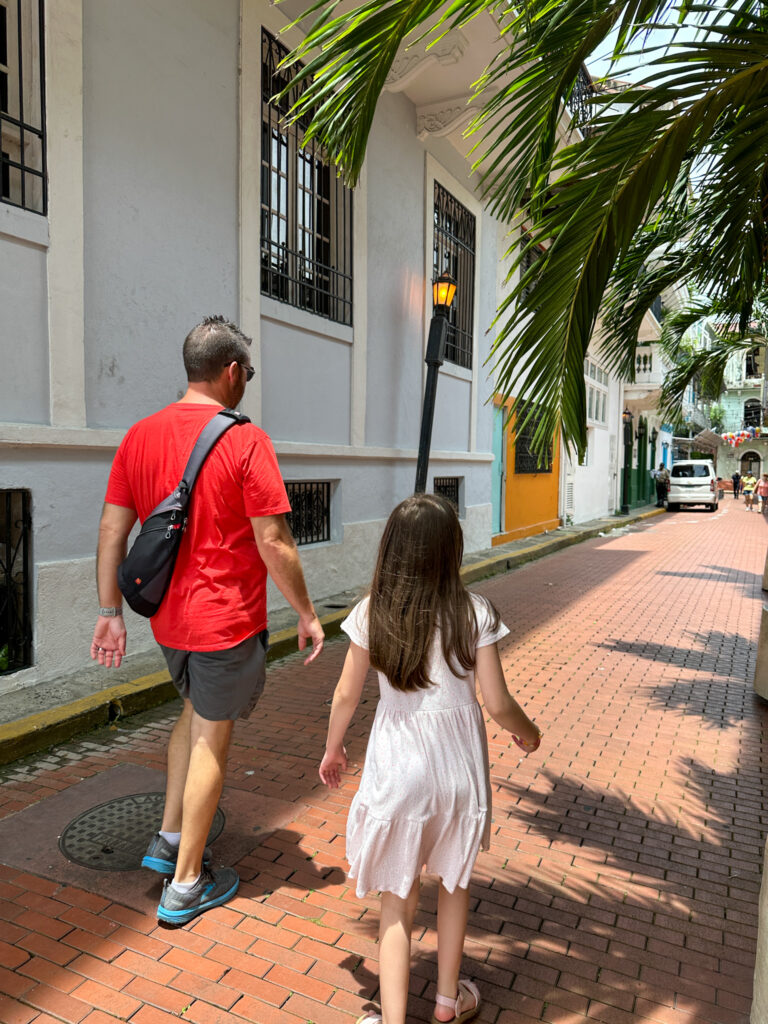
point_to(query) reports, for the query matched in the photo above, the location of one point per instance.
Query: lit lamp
(443, 294)
(626, 419)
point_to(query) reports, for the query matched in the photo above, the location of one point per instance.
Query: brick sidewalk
(623, 880)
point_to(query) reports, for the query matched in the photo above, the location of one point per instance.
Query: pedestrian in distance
(736, 480)
(748, 486)
(211, 624)
(424, 799)
(762, 493)
(662, 485)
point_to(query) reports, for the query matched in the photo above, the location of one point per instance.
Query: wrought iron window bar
(448, 487)
(306, 211)
(310, 515)
(579, 101)
(23, 179)
(454, 252)
(526, 461)
(15, 580)
(530, 257)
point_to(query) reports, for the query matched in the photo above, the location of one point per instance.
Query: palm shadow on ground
(728, 655)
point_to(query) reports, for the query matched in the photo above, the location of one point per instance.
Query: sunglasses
(249, 371)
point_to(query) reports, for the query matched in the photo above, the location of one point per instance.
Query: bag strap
(209, 435)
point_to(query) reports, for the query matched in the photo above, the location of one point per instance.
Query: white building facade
(153, 187)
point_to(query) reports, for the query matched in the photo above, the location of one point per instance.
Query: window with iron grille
(448, 487)
(530, 257)
(752, 412)
(310, 515)
(454, 252)
(15, 581)
(306, 212)
(752, 363)
(526, 461)
(22, 105)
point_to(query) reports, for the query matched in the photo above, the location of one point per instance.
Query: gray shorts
(221, 685)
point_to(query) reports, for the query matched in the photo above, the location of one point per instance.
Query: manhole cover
(114, 836)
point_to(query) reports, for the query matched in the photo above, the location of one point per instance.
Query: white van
(693, 482)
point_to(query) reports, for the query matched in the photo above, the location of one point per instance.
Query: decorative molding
(409, 64)
(32, 435)
(438, 119)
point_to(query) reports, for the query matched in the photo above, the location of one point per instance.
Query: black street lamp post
(443, 292)
(626, 419)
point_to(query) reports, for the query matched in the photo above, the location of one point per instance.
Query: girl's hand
(528, 748)
(334, 762)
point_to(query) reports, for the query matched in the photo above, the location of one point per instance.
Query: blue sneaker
(210, 890)
(162, 857)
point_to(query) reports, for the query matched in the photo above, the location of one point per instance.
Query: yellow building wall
(530, 499)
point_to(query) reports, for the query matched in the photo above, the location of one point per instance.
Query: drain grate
(114, 836)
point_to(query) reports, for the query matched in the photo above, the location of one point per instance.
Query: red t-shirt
(218, 594)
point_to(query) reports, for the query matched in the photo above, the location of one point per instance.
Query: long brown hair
(417, 587)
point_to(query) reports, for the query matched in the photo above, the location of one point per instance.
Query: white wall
(161, 189)
(24, 393)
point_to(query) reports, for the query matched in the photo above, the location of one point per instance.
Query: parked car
(693, 482)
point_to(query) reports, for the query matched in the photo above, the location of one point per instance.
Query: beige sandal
(455, 1004)
(370, 1018)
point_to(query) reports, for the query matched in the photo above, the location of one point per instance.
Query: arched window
(752, 411)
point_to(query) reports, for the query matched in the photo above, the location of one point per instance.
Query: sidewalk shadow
(595, 879)
(750, 582)
(715, 652)
(279, 861)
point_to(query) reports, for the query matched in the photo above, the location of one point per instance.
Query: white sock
(184, 886)
(172, 838)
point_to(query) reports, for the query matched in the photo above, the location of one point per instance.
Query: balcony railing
(579, 101)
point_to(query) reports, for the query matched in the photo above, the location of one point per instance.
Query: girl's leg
(395, 952)
(452, 910)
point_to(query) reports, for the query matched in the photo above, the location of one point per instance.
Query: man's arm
(281, 557)
(108, 644)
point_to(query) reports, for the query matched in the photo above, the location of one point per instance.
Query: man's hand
(108, 644)
(281, 557)
(334, 762)
(309, 628)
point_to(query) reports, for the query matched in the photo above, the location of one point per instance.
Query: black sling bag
(145, 573)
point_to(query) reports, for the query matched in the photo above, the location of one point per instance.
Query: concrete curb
(36, 732)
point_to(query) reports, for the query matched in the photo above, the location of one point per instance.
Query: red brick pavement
(623, 880)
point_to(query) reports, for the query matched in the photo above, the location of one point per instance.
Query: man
(662, 485)
(211, 625)
(736, 479)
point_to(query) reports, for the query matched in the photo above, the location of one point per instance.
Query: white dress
(425, 795)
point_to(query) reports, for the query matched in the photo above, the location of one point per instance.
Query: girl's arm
(499, 703)
(346, 697)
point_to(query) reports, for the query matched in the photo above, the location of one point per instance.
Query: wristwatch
(111, 613)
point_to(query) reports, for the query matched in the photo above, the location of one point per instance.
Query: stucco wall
(24, 395)
(305, 384)
(161, 192)
(396, 286)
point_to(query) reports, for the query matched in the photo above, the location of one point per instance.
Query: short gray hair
(212, 345)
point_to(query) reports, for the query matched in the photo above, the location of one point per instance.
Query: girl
(762, 493)
(425, 795)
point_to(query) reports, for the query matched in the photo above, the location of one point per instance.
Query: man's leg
(209, 745)
(178, 763)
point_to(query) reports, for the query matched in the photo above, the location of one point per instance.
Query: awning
(707, 440)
